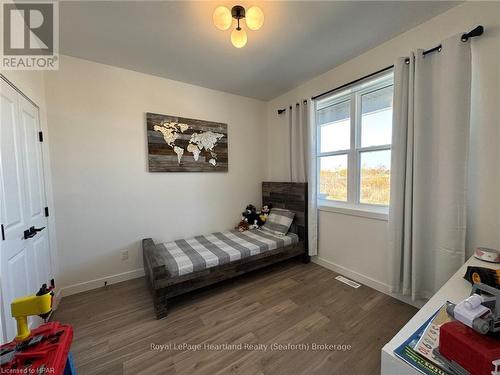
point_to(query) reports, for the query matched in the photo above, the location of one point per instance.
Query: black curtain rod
(477, 31)
(352, 82)
(283, 110)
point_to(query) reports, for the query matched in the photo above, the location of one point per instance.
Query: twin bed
(181, 266)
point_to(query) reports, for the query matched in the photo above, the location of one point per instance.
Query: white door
(25, 259)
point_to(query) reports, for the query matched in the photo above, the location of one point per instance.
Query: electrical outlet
(124, 254)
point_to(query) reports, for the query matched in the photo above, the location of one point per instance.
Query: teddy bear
(264, 213)
(251, 216)
(242, 226)
(249, 219)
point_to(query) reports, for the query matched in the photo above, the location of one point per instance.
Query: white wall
(106, 201)
(358, 246)
(31, 84)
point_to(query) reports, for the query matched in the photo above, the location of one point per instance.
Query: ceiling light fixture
(254, 18)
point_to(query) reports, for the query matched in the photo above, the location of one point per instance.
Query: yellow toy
(39, 304)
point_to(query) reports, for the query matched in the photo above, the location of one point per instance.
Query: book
(430, 338)
(408, 353)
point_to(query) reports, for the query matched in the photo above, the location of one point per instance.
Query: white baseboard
(97, 283)
(129, 275)
(365, 280)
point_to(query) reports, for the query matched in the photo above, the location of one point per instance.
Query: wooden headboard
(291, 196)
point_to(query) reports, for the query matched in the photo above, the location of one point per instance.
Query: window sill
(375, 213)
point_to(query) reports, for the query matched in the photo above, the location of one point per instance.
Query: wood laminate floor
(289, 303)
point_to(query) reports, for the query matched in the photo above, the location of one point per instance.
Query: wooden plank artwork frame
(181, 144)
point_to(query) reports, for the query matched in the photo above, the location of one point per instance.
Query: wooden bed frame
(289, 195)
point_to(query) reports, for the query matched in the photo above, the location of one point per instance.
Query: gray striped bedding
(195, 254)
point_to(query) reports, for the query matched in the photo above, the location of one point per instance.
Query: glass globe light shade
(254, 18)
(239, 38)
(222, 18)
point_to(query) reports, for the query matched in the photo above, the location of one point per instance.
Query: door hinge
(40, 136)
(46, 212)
(3, 233)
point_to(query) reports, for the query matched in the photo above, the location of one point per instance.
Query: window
(354, 145)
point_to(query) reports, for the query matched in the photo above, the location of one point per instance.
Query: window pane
(375, 177)
(335, 127)
(333, 178)
(376, 117)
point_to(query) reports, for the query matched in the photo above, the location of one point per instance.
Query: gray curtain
(427, 217)
(302, 162)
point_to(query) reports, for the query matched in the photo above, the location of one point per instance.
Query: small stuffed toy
(248, 217)
(264, 213)
(251, 217)
(242, 226)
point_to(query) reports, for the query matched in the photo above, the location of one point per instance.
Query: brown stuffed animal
(242, 226)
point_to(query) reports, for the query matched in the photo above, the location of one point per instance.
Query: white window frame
(352, 206)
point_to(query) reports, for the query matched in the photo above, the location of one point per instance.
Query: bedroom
(109, 180)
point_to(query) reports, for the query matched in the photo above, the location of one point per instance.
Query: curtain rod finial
(479, 30)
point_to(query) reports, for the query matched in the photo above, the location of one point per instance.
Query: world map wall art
(178, 144)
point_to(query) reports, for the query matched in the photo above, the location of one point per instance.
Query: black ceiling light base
(238, 12)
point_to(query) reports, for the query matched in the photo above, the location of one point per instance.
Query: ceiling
(177, 40)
